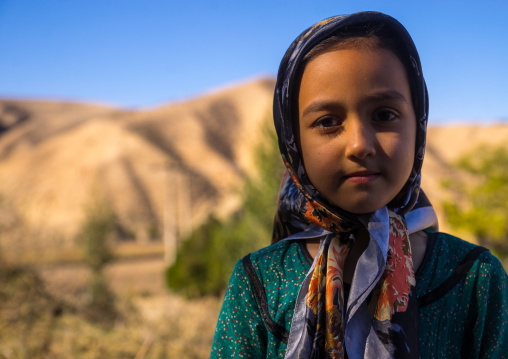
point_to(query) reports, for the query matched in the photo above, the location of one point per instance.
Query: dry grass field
(44, 315)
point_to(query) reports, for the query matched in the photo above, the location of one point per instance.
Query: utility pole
(177, 210)
(170, 232)
(183, 204)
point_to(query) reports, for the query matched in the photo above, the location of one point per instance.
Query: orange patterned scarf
(325, 296)
(387, 300)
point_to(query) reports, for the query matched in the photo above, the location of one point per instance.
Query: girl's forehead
(367, 70)
(334, 59)
(356, 44)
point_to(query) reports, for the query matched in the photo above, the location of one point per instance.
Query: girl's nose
(360, 139)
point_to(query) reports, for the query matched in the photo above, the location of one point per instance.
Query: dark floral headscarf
(322, 325)
(286, 97)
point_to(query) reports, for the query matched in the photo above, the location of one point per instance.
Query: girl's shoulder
(282, 249)
(449, 251)
(448, 259)
(283, 260)
(463, 300)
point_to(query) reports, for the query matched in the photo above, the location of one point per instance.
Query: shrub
(96, 231)
(484, 184)
(206, 259)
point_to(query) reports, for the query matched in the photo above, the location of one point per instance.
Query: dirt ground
(127, 277)
(158, 323)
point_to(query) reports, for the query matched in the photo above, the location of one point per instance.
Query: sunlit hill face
(357, 127)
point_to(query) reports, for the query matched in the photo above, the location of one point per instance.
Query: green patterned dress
(463, 304)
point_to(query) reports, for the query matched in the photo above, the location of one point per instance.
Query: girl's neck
(417, 240)
(361, 243)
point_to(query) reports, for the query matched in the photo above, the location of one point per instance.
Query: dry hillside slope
(189, 157)
(58, 158)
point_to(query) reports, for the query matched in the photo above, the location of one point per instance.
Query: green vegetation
(47, 321)
(484, 211)
(28, 313)
(205, 260)
(37, 324)
(97, 227)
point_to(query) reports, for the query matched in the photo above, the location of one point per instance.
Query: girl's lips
(362, 177)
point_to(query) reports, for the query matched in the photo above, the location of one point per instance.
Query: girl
(357, 268)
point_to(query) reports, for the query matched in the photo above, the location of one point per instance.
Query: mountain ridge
(189, 157)
(54, 155)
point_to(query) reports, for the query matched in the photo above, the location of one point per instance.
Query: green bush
(96, 231)
(206, 259)
(484, 184)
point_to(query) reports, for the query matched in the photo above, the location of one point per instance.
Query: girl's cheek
(397, 143)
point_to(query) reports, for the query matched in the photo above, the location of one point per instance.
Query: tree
(95, 233)
(206, 259)
(484, 210)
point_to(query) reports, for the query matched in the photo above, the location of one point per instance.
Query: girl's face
(357, 127)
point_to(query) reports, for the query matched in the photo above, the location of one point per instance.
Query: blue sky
(143, 53)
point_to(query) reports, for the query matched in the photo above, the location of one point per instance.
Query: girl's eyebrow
(390, 94)
(384, 95)
(320, 105)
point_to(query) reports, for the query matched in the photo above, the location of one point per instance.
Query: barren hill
(57, 159)
(185, 159)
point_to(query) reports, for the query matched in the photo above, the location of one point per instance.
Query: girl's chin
(360, 207)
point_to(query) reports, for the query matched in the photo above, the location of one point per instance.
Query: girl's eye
(385, 116)
(326, 123)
